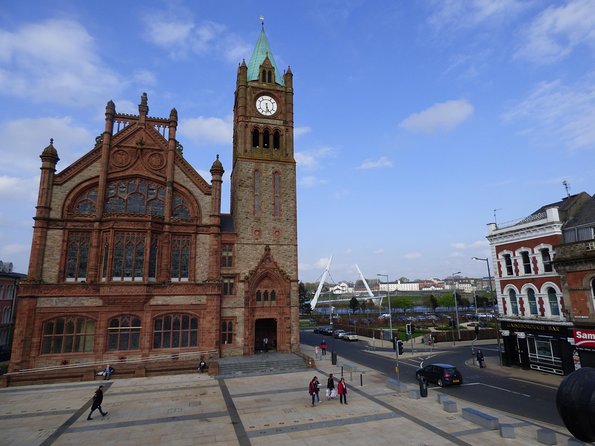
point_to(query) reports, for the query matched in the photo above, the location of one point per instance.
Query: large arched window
(77, 256)
(514, 304)
(86, 203)
(124, 333)
(553, 299)
(276, 140)
(135, 196)
(175, 331)
(532, 301)
(255, 138)
(71, 334)
(266, 136)
(180, 257)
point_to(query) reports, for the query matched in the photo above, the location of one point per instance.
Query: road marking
(535, 383)
(501, 388)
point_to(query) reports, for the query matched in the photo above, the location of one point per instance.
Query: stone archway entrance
(265, 328)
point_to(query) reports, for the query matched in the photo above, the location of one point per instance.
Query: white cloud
(348, 251)
(182, 37)
(310, 181)
(380, 163)
(379, 251)
(54, 61)
(18, 189)
(472, 13)
(28, 138)
(311, 159)
(440, 117)
(322, 262)
(559, 113)
(478, 244)
(145, 78)
(205, 130)
(412, 255)
(558, 30)
(299, 131)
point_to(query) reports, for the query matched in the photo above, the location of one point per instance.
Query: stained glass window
(77, 256)
(175, 331)
(124, 333)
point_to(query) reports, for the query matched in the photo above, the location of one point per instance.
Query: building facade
(9, 284)
(575, 261)
(533, 314)
(132, 258)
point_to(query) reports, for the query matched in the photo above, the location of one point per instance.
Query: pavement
(268, 409)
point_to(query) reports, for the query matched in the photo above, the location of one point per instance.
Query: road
(482, 386)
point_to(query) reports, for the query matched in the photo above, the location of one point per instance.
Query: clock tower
(263, 203)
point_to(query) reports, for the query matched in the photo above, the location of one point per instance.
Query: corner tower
(263, 202)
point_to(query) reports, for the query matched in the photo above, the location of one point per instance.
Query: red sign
(584, 338)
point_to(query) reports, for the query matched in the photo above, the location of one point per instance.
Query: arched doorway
(265, 329)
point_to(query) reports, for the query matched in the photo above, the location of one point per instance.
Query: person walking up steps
(323, 347)
(97, 400)
(342, 388)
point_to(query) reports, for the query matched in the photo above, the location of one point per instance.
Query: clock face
(266, 105)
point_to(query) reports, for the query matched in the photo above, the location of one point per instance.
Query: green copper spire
(261, 51)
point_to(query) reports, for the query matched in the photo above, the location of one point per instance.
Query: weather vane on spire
(262, 20)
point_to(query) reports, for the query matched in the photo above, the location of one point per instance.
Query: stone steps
(260, 365)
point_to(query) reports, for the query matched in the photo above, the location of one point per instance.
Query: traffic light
(412, 328)
(400, 344)
(408, 329)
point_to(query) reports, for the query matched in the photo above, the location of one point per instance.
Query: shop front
(542, 346)
(584, 343)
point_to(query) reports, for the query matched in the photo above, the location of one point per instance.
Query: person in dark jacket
(480, 359)
(97, 400)
(330, 387)
(313, 389)
(323, 347)
(342, 389)
(107, 374)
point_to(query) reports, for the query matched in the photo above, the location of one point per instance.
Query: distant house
(534, 318)
(9, 284)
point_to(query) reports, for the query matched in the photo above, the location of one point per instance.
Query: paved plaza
(250, 410)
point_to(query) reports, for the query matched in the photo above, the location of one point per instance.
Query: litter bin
(334, 358)
(423, 387)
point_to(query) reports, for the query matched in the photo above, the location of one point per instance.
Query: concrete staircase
(260, 364)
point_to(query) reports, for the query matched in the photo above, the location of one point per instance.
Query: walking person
(107, 373)
(342, 388)
(97, 400)
(330, 387)
(265, 342)
(480, 359)
(313, 390)
(323, 347)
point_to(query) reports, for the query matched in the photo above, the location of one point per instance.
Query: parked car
(325, 330)
(339, 333)
(349, 336)
(441, 374)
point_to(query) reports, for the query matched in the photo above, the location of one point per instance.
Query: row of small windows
(266, 296)
(552, 299)
(134, 197)
(77, 334)
(127, 256)
(276, 194)
(525, 262)
(264, 139)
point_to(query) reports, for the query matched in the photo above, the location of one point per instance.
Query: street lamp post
(456, 304)
(492, 297)
(390, 324)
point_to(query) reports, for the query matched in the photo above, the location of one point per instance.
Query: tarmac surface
(272, 409)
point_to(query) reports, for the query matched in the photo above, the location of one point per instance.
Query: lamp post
(456, 303)
(390, 324)
(492, 297)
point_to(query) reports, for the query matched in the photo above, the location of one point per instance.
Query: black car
(441, 374)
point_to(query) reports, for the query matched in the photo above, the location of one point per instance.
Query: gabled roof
(584, 217)
(567, 207)
(261, 51)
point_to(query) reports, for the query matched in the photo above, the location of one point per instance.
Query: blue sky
(414, 119)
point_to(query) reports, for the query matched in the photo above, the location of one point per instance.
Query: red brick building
(534, 317)
(9, 284)
(575, 261)
(132, 258)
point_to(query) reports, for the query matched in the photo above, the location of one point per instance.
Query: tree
(303, 295)
(446, 300)
(363, 306)
(433, 302)
(354, 304)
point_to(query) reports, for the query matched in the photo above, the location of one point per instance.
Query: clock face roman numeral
(266, 105)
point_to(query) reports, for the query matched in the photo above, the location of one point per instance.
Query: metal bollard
(341, 371)
(361, 379)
